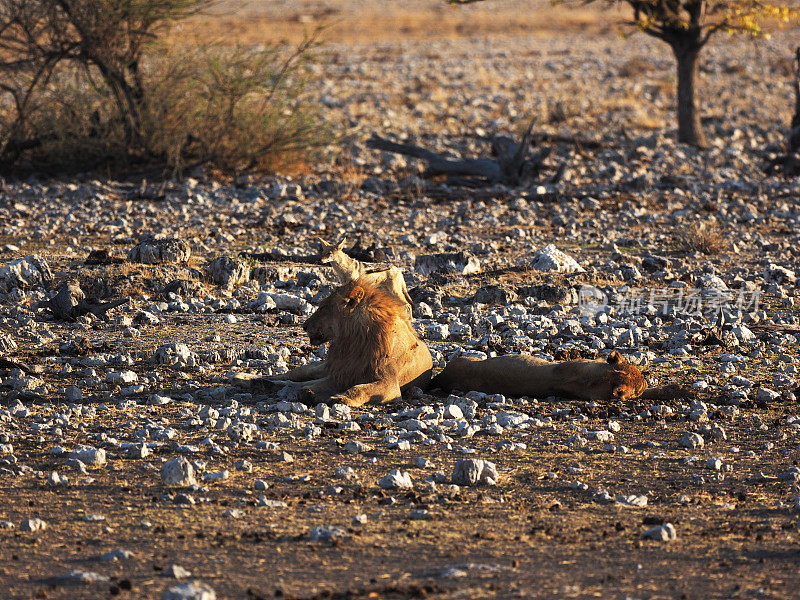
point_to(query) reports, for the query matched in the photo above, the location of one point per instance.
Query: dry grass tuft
(351, 176)
(636, 66)
(703, 237)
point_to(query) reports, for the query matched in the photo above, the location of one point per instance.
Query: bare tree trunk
(126, 104)
(793, 139)
(690, 131)
(130, 113)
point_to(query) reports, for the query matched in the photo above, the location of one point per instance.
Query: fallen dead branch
(268, 257)
(71, 302)
(510, 165)
(136, 192)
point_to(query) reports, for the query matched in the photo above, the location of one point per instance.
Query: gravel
(117, 555)
(33, 524)
(396, 480)
(470, 472)
(550, 258)
(25, 273)
(92, 457)
(692, 440)
(662, 533)
(491, 271)
(327, 533)
(178, 472)
(80, 577)
(157, 251)
(194, 590)
(176, 572)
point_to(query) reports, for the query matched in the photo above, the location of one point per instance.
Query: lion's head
(627, 380)
(358, 319)
(323, 325)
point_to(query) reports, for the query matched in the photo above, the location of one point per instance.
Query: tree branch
(507, 168)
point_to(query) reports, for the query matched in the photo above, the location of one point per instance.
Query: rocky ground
(131, 467)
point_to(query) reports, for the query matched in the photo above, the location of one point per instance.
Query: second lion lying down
(525, 375)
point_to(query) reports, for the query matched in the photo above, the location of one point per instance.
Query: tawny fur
(373, 353)
(349, 269)
(368, 329)
(525, 375)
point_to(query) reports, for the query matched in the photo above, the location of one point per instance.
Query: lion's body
(373, 353)
(525, 375)
(374, 341)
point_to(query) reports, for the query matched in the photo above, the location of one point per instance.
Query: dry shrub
(562, 110)
(238, 109)
(88, 85)
(69, 127)
(636, 66)
(352, 177)
(64, 63)
(703, 237)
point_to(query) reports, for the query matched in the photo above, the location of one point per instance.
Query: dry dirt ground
(546, 530)
(383, 21)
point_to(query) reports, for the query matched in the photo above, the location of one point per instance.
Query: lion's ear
(354, 297)
(615, 358)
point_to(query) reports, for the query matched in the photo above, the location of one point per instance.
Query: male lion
(373, 353)
(525, 375)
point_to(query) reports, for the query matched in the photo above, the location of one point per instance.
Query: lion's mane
(360, 352)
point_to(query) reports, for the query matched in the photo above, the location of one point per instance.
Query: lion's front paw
(338, 399)
(265, 385)
(346, 399)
